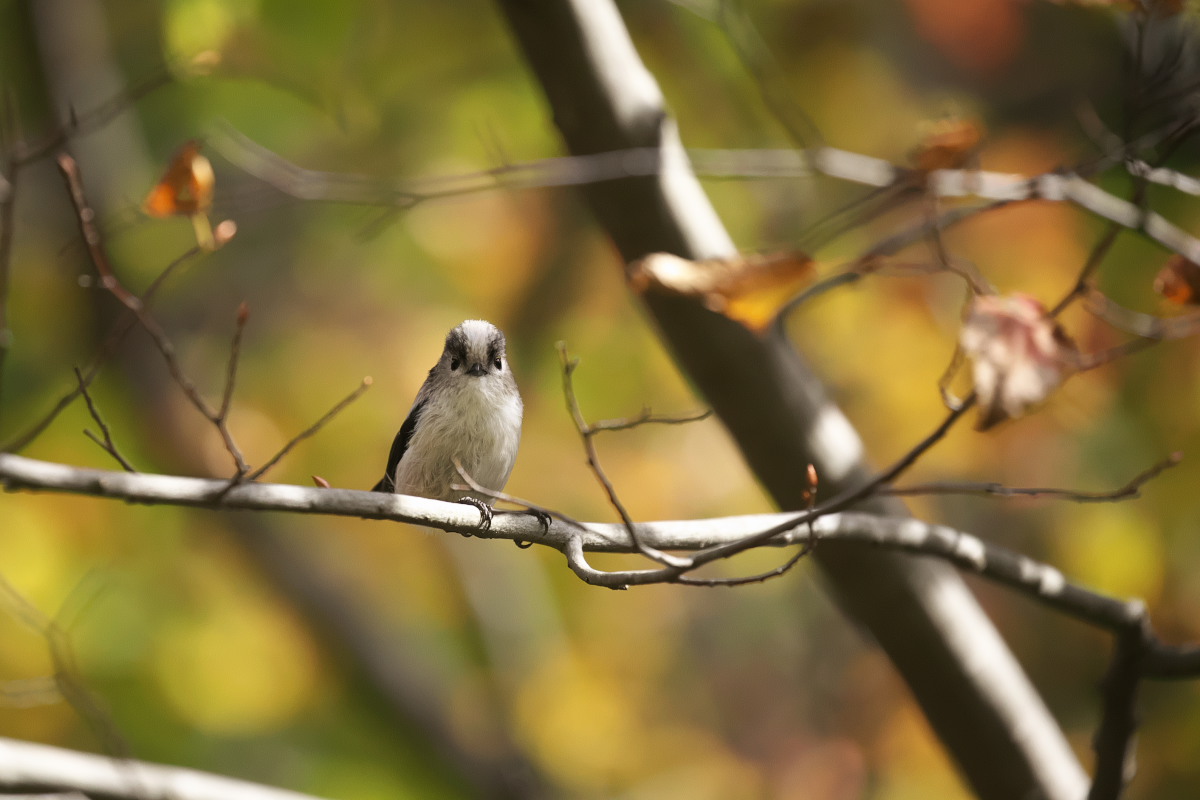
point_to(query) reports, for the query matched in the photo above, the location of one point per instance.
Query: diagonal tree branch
(974, 693)
(31, 768)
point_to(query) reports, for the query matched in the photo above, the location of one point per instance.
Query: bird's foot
(543, 517)
(485, 512)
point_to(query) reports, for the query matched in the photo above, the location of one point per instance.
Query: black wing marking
(399, 446)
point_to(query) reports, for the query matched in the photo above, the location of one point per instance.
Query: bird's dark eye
(498, 363)
(454, 362)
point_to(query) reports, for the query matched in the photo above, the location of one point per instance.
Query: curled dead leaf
(1179, 281)
(749, 289)
(319, 481)
(1019, 355)
(185, 188)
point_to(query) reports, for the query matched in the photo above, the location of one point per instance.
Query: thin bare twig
(311, 429)
(235, 351)
(107, 442)
(586, 434)
(86, 217)
(809, 544)
(1128, 491)
(742, 580)
(646, 417)
(1082, 280)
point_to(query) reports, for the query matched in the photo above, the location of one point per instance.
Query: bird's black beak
(477, 370)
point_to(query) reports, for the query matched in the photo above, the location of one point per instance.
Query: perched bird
(467, 410)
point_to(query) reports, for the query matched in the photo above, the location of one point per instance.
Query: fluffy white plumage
(468, 409)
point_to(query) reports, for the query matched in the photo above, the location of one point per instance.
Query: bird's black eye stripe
(454, 362)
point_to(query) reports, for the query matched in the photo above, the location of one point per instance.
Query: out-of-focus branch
(615, 164)
(28, 768)
(65, 682)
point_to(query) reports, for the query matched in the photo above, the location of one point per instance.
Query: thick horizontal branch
(970, 553)
(18, 473)
(31, 768)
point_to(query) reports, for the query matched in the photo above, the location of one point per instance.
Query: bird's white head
(474, 349)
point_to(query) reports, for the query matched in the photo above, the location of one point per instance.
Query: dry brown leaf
(947, 144)
(1019, 355)
(186, 189)
(749, 289)
(1179, 281)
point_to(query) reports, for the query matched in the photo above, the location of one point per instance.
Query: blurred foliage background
(187, 629)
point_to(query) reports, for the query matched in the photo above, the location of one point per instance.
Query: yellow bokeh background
(275, 647)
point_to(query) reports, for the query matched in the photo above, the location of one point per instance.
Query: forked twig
(107, 442)
(586, 434)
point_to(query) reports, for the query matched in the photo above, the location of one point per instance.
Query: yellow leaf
(749, 289)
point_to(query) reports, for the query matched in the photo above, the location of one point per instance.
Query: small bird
(468, 409)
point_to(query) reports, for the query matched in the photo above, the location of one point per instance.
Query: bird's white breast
(479, 423)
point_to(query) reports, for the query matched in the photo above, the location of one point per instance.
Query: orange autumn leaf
(747, 288)
(946, 144)
(1179, 281)
(186, 188)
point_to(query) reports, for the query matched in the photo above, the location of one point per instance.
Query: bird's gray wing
(399, 445)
